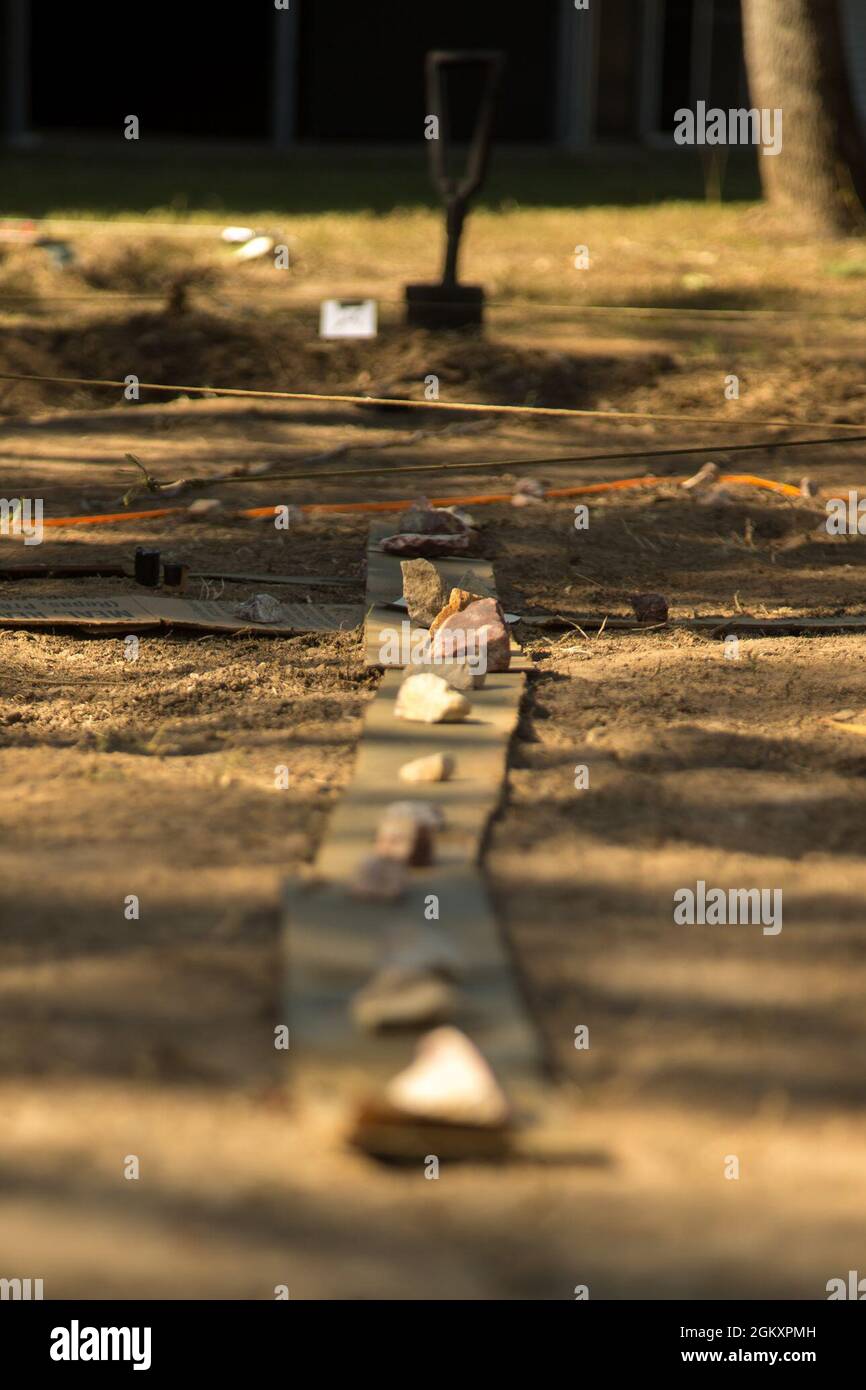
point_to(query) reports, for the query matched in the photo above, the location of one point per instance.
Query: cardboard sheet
(127, 611)
(719, 625)
(334, 942)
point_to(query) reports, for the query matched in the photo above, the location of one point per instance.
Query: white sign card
(348, 318)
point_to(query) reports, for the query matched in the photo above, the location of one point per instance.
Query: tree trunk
(795, 59)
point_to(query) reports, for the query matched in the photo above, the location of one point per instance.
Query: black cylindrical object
(147, 567)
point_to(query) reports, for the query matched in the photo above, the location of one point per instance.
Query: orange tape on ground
(475, 500)
(106, 518)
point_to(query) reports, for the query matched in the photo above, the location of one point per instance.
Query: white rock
(237, 234)
(255, 249)
(449, 1080)
(437, 767)
(428, 699)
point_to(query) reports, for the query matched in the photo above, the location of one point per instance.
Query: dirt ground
(157, 778)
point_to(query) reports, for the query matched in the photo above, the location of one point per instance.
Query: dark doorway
(362, 66)
(677, 60)
(616, 102)
(183, 70)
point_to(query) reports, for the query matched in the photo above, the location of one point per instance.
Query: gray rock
(260, 609)
(426, 520)
(423, 589)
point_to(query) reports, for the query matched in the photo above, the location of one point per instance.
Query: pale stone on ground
(438, 767)
(449, 1080)
(428, 699)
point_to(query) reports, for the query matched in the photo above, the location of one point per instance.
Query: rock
(458, 675)
(649, 608)
(449, 1080)
(531, 487)
(428, 699)
(254, 249)
(527, 492)
(404, 836)
(204, 506)
(424, 812)
(465, 518)
(458, 599)
(437, 767)
(378, 879)
(477, 635)
(237, 234)
(401, 997)
(260, 609)
(704, 478)
(413, 543)
(424, 948)
(429, 521)
(423, 589)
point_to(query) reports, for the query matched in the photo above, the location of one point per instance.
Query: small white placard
(348, 318)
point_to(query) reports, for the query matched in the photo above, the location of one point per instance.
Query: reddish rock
(378, 878)
(650, 608)
(413, 544)
(478, 634)
(405, 837)
(457, 601)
